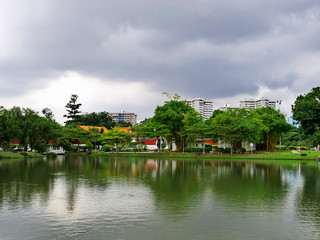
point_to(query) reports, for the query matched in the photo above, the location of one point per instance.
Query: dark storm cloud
(208, 48)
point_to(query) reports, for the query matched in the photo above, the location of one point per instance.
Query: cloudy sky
(121, 55)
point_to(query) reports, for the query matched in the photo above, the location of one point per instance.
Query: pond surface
(134, 198)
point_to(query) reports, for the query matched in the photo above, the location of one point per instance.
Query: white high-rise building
(202, 106)
(251, 103)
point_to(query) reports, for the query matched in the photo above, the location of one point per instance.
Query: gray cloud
(197, 48)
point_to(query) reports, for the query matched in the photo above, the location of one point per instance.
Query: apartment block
(202, 106)
(124, 116)
(253, 104)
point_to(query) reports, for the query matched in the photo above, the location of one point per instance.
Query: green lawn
(17, 155)
(281, 155)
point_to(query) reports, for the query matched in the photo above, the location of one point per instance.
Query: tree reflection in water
(177, 186)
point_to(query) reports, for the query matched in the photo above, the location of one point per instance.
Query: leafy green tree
(200, 129)
(72, 108)
(275, 123)
(74, 134)
(116, 136)
(25, 125)
(100, 119)
(297, 137)
(9, 128)
(123, 124)
(214, 114)
(306, 110)
(94, 135)
(170, 119)
(235, 125)
(138, 133)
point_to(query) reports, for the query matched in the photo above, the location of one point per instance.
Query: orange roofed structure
(104, 129)
(87, 128)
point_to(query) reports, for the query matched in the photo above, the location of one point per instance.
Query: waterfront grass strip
(281, 155)
(18, 155)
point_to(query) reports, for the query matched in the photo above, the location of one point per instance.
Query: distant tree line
(175, 120)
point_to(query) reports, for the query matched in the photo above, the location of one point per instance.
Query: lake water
(134, 198)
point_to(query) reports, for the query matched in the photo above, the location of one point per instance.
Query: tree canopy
(276, 126)
(236, 125)
(306, 110)
(98, 119)
(27, 126)
(72, 108)
(170, 119)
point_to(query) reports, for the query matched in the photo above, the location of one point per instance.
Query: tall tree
(72, 108)
(306, 110)
(172, 116)
(236, 125)
(276, 126)
(201, 130)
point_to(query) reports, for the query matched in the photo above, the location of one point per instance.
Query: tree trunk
(203, 144)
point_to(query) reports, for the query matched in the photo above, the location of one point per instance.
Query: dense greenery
(306, 110)
(296, 137)
(235, 125)
(171, 120)
(72, 108)
(28, 127)
(175, 122)
(100, 119)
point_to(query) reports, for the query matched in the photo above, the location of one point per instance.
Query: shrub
(214, 148)
(304, 148)
(40, 147)
(197, 150)
(89, 145)
(227, 150)
(106, 148)
(208, 147)
(51, 155)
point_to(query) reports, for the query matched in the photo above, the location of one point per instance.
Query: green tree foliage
(73, 111)
(115, 136)
(27, 126)
(170, 119)
(139, 134)
(297, 137)
(306, 110)
(73, 134)
(94, 135)
(9, 128)
(100, 119)
(199, 130)
(276, 125)
(214, 114)
(236, 125)
(123, 124)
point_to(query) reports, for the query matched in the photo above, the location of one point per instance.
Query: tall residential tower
(124, 116)
(251, 103)
(202, 106)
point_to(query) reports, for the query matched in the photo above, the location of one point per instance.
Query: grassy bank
(148, 154)
(281, 155)
(18, 155)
